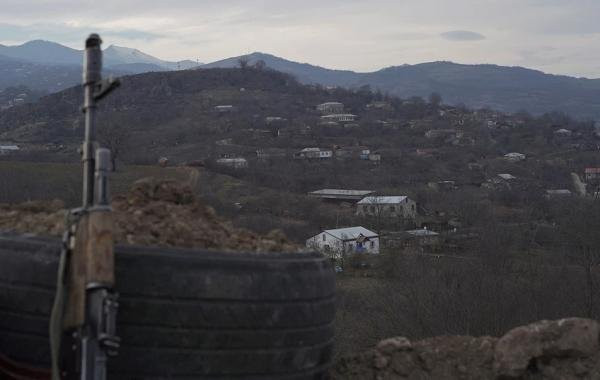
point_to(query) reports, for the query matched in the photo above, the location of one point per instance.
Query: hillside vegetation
(509, 253)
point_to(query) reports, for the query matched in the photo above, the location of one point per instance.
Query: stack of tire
(185, 314)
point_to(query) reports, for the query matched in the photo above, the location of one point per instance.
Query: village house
(592, 174)
(340, 195)
(6, 149)
(236, 163)
(514, 157)
(318, 153)
(224, 108)
(388, 206)
(560, 193)
(339, 117)
(506, 176)
(374, 157)
(563, 132)
(343, 241)
(358, 152)
(224, 142)
(331, 108)
(274, 119)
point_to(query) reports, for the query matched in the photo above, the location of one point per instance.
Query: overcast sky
(555, 36)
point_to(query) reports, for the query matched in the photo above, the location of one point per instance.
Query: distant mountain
(43, 52)
(51, 53)
(503, 88)
(304, 72)
(50, 67)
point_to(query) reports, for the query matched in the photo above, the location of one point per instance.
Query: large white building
(341, 241)
(395, 206)
(339, 117)
(331, 108)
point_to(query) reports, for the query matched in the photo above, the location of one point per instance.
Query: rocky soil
(153, 213)
(553, 350)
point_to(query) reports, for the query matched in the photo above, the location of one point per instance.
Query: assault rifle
(83, 323)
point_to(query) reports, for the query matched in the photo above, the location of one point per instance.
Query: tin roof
(342, 192)
(383, 200)
(351, 233)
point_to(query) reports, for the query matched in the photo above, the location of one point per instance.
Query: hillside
(304, 72)
(508, 89)
(504, 243)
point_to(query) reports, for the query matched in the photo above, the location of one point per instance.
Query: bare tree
(581, 240)
(243, 62)
(435, 99)
(260, 65)
(116, 138)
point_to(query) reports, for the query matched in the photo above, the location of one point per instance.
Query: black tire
(185, 314)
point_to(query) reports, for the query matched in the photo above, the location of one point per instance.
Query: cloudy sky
(555, 36)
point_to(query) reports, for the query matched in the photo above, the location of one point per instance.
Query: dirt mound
(153, 213)
(564, 349)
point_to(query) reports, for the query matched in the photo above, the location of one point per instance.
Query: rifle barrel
(92, 76)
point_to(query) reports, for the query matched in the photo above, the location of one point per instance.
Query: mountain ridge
(505, 88)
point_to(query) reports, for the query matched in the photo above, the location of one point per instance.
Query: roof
(506, 176)
(559, 192)
(9, 147)
(237, 159)
(514, 154)
(342, 192)
(338, 115)
(423, 232)
(330, 104)
(383, 200)
(351, 233)
(592, 170)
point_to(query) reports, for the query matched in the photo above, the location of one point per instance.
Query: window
(372, 208)
(372, 244)
(324, 237)
(393, 208)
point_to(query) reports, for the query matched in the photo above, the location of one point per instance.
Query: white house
(395, 206)
(345, 241)
(6, 149)
(339, 117)
(331, 108)
(514, 157)
(236, 163)
(224, 108)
